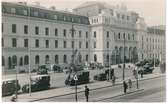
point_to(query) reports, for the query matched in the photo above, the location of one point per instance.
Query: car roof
(37, 76)
(9, 79)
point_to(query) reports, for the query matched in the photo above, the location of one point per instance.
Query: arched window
(3, 61)
(26, 60)
(46, 59)
(65, 59)
(95, 58)
(56, 59)
(21, 61)
(37, 59)
(14, 60)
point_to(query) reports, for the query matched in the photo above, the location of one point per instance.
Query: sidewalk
(35, 96)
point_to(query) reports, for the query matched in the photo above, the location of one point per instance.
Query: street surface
(154, 91)
(58, 79)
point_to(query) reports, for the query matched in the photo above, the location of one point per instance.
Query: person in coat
(86, 93)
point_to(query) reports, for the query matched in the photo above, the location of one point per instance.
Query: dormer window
(127, 17)
(25, 12)
(55, 16)
(13, 10)
(72, 19)
(35, 13)
(64, 18)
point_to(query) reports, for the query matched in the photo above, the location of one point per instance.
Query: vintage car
(43, 69)
(104, 76)
(147, 69)
(9, 86)
(83, 77)
(38, 83)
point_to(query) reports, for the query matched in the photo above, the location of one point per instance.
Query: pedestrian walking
(125, 86)
(130, 83)
(141, 73)
(86, 93)
(113, 80)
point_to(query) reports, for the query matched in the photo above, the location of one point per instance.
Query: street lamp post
(16, 80)
(123, 75)
(72, 34)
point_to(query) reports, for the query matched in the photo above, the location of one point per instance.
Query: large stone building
(103, 34)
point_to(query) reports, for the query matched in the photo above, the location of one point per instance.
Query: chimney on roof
(52, 8)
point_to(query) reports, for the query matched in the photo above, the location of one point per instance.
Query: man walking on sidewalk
(86, 93)
(125, 86)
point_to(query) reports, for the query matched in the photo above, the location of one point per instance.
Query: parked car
(38, 83)
(57, 68)
(103, 76)
(9, 86)
(100, 77)
(42, 69)
(83, 77)
(147, 69)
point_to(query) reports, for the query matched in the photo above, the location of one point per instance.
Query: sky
(153, 11)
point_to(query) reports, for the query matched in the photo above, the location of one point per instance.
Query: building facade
(35, 35)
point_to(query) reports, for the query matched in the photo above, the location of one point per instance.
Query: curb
(95, 88)
(119, 95)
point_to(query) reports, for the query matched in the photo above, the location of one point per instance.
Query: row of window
(47, 43)
(25, 60)
(124, 36)
(47, 32)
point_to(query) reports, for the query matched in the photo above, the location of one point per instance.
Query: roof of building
(44, 13)
(91, 3)
(156, 29)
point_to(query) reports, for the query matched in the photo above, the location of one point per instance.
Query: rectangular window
(80, 44)
(72, 44)
(25, 29)
(94, 44)
(94, 34)
(87, 44)
(56, 59)
(56, 43)
(107, 44)
(13, 28)
(64, 32)
(128, 36)
(47, 43)
(80, 34)
(86, 34)
(36, 30)
(26, 43)
(14, 42)
(107, 34)
(56, 32)
(65, 45)
(2, 27)
(46, 31)
(37, 43)
(2, 42)
(87, 57)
